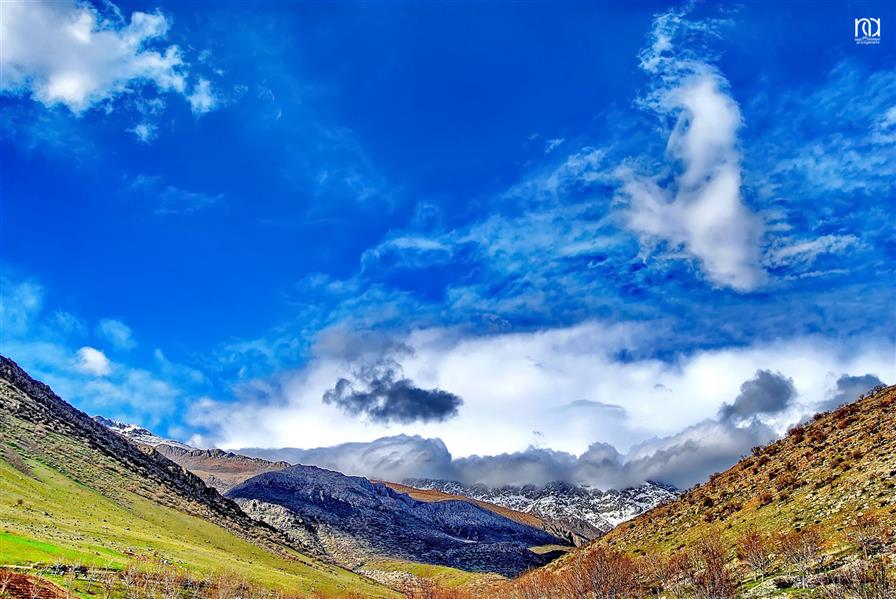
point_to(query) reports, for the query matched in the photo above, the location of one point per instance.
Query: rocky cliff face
(356, 520)
(583, 511)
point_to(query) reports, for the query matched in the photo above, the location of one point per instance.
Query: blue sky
(214, 213)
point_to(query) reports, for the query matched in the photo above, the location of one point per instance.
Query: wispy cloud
(702, 212)
(171, 199)
(117, 333)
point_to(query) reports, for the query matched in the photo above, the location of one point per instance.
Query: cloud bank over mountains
(633, 420)
(682, 459)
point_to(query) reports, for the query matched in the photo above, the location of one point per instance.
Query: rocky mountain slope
(586, 513)
(823, 474)
(137, 433)
(220, 469)
(433, 495)
(812, 514)
(72, 490)
(357, 520)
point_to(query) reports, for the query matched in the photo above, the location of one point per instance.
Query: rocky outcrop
(356, 520)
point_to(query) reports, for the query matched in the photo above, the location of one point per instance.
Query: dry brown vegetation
(140, 580)
(812, 514)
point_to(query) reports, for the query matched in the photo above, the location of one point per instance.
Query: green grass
(47, 517)
(542, 549)
(444, 576)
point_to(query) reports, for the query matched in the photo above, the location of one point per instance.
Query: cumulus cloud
(49, 344)
(117, 333)
(576, 385)
(388, 397)
(703, 212)
(92, 361)
(393, 458)
(766, 393)
(203, 99)
(848, 389)
(69, 53)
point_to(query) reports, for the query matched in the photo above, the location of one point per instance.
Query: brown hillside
(822, 474)
(432, 495)
(810, 515)
(219, 469)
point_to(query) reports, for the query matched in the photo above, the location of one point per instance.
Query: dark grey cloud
(765, 393)
(849, 388)
(388, 397)
(689, 457)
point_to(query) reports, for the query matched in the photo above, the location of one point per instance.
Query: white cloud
(145, 132)
(552, 144)
(49, 345)
(703, 213)
(512, 384)
(117, 333)
(170, 199)
(92, 361)
(203, 99)
(68, 53)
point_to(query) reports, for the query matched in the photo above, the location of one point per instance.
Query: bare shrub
(679, 574)
(651, 572)
(754, 549)
(869, 534)
(863, 580)
(611, 574)
(800, 549)
(711, 578)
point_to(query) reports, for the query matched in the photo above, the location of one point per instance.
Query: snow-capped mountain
(585, 511)
(138, 433)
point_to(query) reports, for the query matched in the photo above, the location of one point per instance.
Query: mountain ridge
(71, 489)
(586, 512)
(354, 517)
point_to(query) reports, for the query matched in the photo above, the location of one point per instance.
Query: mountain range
(575, 514)
(84, 503)
(356, 520)
(584, 512)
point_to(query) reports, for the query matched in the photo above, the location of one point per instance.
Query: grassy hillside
(71, 494)
(810, 515)
(821, 475)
